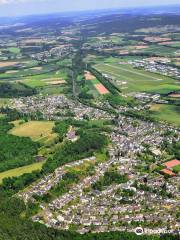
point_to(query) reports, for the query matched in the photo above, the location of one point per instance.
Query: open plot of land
(21, 170)
(12, 71)
(14, 50)
(138, 80)
(174, 44)
(89, 76)
(53, 89)
(175, 95)
(8, 64)
(101, 89)
(168, 113)
(45, 79)
(36, 130)
(177, 168)
(4, 102)
(42, 83)
(57, 82)
(94, 84)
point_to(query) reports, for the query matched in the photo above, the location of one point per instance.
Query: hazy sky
(23, 7)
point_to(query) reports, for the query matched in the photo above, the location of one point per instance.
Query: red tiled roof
(172, 163)
(166, 171)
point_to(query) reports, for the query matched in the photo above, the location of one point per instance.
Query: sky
(28, 7)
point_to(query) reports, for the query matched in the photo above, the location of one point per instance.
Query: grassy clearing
(159, 50)
(138, 80)
(53, 90)
(2, 115)
(21, 170)
(167, 113)
(14, 50)
(177, 168)
(4, 102)
(36, 130)
(43, 80)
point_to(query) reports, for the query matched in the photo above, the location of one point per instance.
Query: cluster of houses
(57, 108)
(151, 203)
(153, 199)
(131, 135)
(98, 45)
(156, 67)
(44, 185)
(59, 52)
(99, 211)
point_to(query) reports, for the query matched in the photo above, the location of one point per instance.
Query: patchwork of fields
(95, 85)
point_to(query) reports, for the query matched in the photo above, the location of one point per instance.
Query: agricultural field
(167, 113)
(129, 79)
(25, 72)
(14, 50)
(45, 79)
(37, 130)
(160, 50)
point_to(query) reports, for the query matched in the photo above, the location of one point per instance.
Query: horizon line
(89, 10)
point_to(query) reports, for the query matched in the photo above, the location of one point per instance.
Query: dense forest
(15, 151)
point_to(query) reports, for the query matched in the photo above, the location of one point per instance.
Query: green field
(21, 170)
(43, 80)
(14, 50)
(4, 102)
(138, 80)
(36, 130)
(177, 168)
(159, 50)
(167, 113)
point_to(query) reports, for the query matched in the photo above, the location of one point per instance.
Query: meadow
(16, 172)
(129, 79)
(4, 102)
(37, 130)
(45, 79)
(166, 112)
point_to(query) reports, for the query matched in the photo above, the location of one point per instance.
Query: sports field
(129, 79)
(101, 89)
(94, 85)
(21, 170)
(36, 130)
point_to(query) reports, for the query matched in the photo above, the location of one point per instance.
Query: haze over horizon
(28, 7)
